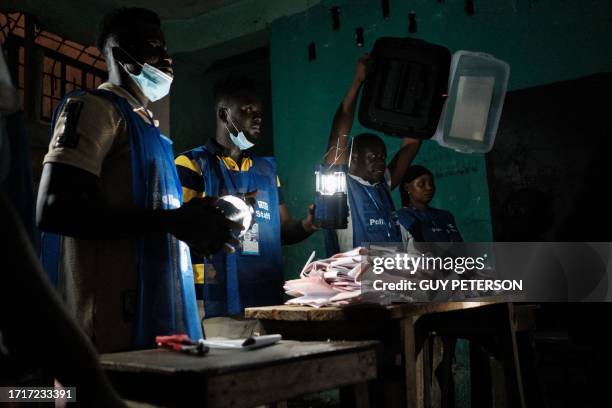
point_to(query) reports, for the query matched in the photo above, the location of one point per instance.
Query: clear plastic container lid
(476, 92)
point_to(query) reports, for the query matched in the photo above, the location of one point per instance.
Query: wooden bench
(239, 378)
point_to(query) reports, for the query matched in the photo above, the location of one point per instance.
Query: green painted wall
(543, 41)
(187, 112)
(192, 112)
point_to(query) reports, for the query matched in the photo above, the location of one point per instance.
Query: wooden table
(230, 378)
(403, 330)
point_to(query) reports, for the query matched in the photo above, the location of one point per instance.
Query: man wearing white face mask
(110, 199)
(252, 276)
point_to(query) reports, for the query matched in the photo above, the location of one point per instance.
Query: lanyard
(380, 210)
(373, 200)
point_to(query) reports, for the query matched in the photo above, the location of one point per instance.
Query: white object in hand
(237, 210)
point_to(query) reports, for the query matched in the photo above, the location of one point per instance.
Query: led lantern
(331, 207)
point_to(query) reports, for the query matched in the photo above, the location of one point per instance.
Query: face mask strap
(143, 66)
(229, 117)
(131, 57)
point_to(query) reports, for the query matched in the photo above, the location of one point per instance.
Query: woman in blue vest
(419, 221)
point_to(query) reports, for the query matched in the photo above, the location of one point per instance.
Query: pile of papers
(330, 282)
(348, 278)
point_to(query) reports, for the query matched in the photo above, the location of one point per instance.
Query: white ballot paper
(242, 344)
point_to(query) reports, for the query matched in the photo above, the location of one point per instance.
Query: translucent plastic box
(476, 92)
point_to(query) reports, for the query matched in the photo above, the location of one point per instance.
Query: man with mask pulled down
(253, 275)
(110, 200)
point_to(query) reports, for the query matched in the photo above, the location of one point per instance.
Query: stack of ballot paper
(242, 344)
(332, 281)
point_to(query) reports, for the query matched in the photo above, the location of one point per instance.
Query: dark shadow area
(548, 175)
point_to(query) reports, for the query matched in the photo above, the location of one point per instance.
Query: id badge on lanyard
(249, 242)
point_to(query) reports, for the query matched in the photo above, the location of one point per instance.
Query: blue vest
(372, 216)
(429, 225)
(166, 296)
(243, 280)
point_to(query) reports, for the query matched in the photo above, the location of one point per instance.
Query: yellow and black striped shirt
(192, 181)
(191, 176)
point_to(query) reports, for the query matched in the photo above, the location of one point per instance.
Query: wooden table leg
(413, 364)
(480, 376)
(437, 382)
(428, 375)
(443, 370)
(509, 351)
(355, 396)
(362, 397)
(503, 346)
(524, 326)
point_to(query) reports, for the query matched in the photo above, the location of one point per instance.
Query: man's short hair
(231, 87)
(364, 140)
(120, 21)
